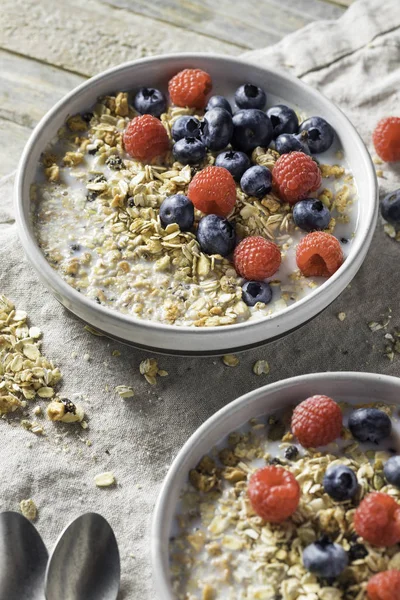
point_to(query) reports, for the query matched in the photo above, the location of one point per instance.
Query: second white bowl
(347, 387)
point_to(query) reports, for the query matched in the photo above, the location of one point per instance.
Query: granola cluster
(222, 549)
(96, 217)
(25, 374)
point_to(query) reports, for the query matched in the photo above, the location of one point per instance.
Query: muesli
(266, 516)
(185, 214)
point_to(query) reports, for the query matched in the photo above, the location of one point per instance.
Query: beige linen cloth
(355, 62)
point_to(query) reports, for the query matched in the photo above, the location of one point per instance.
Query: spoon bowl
(23, 559)
(85, 563)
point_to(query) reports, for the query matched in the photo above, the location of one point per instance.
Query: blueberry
(185, 126)
(392, 471)
(189, 151)
(320, 134)
(370, 425)
(235, 162)
(250, 96)
(256, 291)
(219, 102)
(252, 128)
(289, 142)
(390, 208)
(150, 101)
(216, 235)
(177, 209)
(283, 119)
(291, 453)
(325, 559)
(256, 181)
(340, 483)
(216, 129)
(311, 215)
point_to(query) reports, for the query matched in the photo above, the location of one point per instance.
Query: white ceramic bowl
(342, 386)
(227, 73)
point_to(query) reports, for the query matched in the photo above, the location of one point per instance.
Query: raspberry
(377, 520)
(384, 586)
(295, 175)
(317, 421)
(145, 138)
(274, 493)
(386, 138)
(190, 88)
(256, 258)
(213, 191)
(319, 254)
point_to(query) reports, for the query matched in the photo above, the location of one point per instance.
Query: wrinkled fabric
(355, 62)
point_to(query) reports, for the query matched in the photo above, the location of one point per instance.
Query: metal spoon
(23, 559)
(85, 562)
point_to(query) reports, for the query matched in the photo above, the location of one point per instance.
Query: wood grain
(14, 138)
(87, 38)
(251, 24)
(47, 48)
(28, 89)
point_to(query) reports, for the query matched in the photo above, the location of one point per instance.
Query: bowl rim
(54, 281)
(161, 575)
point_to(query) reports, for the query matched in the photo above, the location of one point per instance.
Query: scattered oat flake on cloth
(230, 360)
(125, 391)
(105, 479)
(25, 372)
(28, 509)
(261, 367)
(93, 331)
(149, 369)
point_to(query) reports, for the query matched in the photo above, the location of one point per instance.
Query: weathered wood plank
(315, 9)
(28, 89)
(344, 3)
(252, 24)
(87, 38)
(13, 139)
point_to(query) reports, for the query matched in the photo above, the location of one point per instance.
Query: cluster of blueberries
(325, 558)
(248, 128)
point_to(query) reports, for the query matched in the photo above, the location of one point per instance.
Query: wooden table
(48, 47)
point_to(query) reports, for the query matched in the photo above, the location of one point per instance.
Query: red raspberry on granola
(377, 520)
(317, 421)
(145, 138)
(295, 175)
(274, 493)
(384, 586)
(190, 88)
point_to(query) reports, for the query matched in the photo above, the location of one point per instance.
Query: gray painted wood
(13, 139)
(250, 24)
(28, 88)
(86, 38)
(47, 48)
